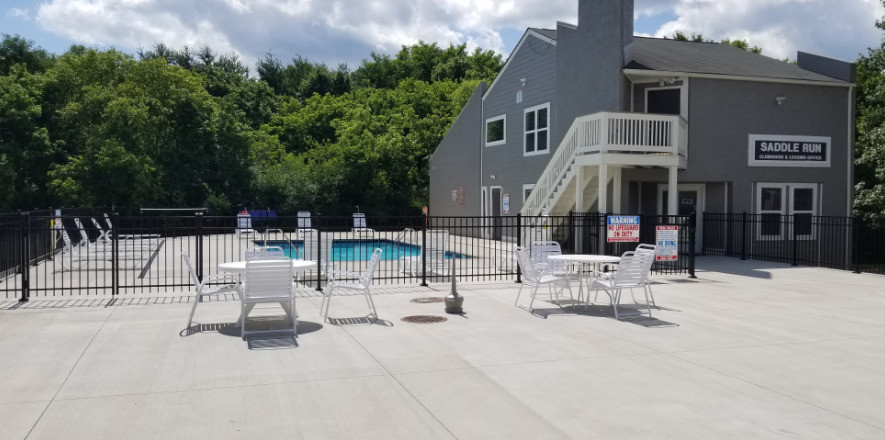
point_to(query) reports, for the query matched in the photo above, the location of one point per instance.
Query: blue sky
(336, 31)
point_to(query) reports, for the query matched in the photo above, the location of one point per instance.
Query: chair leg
(328, 302)
(532, 300)
(516, 303)
(190, 319)
(371, 304)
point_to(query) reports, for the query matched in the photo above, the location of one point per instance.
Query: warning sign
(623, 228)
(667, 239)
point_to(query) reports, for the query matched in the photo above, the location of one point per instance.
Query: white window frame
(536, 130)
(787, 209)
(526, 190)
(504, 133)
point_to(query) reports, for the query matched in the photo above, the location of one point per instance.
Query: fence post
(424, 255)
(199, 260)
(855, 242)
(319, 258)
(795, 248)
(115, 250)
(25, 257)
(518, 244)
(744, 235)
(692, 237)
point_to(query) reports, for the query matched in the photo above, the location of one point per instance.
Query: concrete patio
(747, 350)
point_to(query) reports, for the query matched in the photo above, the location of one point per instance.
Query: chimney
(601, 16)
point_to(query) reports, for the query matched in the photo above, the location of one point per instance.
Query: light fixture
(522, 80)
(492, 176)
(667, 81)
(780, 100)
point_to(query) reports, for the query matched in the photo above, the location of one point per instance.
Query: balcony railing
(608, 132)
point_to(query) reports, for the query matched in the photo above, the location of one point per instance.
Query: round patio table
(585, 260)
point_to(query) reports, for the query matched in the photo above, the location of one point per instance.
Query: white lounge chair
(632, 274)
(107, 220)
(211, 285)
(338, 282)
(304, 223)
(268, 281)
(359, 224)
(536, 276)
(437, 247)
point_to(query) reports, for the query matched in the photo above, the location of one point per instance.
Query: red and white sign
(667, 239)
(623, 228)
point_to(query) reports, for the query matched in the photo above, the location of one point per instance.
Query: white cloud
(24, 14)
(841, 29)
(334, 31)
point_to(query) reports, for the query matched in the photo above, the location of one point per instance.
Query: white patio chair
(632, 274)
(106, 248)
(535, 277)
(337, 282)
(125, 242)
(436, 249)
(211, 285)
(542, 249)
(268, 281)
(643, 247)
(359, 224)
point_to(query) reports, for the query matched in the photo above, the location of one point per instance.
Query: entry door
(495, 203)
(691, 202)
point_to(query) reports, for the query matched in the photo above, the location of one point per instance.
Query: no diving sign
(667, 239)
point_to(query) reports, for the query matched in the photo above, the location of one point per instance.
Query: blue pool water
(358, 250)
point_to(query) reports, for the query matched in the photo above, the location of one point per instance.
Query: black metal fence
(91, 253)
(835, 242)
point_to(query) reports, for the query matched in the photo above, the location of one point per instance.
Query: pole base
(454, 303)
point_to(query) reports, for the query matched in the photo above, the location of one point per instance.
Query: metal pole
(855, 241)
(424, 255)
(795, 247)
(693, 236)
(744, 235)
(518, 244)
(198, 217)
(115, 249)
(319, 259)
(25, 258)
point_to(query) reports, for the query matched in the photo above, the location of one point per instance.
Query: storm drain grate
(428, 300)
(424, 319)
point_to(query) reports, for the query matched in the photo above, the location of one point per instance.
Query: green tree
(25, 150)
(17, 50)
(870, 138)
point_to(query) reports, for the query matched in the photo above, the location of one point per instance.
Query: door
(495, 211)
(691, 202)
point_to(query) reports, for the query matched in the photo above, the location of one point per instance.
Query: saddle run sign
(623, 228)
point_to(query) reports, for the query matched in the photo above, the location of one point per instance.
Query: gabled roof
(549, 33)
(713, 59)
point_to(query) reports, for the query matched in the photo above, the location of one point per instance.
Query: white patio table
(239, 267)
(585, 261)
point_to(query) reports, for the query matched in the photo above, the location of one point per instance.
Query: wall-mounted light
(780, 100)
(492, 176)
(522, 80)
(667, 81)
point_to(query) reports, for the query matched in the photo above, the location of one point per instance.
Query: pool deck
(747, 350)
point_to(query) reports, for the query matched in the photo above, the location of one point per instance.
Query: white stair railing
(605, 132)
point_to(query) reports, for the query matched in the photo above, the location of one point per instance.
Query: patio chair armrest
(222, 278)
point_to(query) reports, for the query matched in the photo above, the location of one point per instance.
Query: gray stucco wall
(455, 163)
(535, 60)
(722, 113)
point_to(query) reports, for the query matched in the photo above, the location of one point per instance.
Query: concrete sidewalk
(747, 350)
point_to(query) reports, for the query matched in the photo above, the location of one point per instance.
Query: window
(537, 129)
(526, 191)
(663, 101)
(495, 130)
(786, 209)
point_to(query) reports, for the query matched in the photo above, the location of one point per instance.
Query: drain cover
(424, 319)
(428, 300)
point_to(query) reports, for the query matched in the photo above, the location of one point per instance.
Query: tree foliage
(870, 141)
(698, 38)
(177, 127)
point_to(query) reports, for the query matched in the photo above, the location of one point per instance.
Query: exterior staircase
(605, 139)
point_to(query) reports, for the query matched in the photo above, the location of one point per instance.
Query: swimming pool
(358, 250)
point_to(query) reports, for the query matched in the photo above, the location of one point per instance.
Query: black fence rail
(93, 253)
(836, 242)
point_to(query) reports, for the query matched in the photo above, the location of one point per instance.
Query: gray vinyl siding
(536, 62)
(455, 163)
(725, 112)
